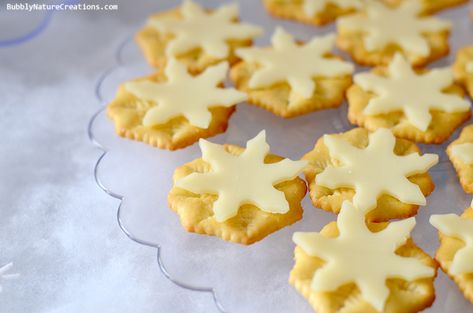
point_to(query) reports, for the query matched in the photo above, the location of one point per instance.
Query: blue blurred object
(36, 31)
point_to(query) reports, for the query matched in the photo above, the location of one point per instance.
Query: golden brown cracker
(127, 112)
(462, 75)
(154, 43)
(331, 199)
(294, 10)
(443, 124)
(352, 42)
(250, 224)
(464, 170)
(329, 92)
(432, 6)
(449, 246)
(404, 297)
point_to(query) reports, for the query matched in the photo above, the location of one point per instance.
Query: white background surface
(60, 229)
(56, 225)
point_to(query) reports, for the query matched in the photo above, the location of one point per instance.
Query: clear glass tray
(248, 278)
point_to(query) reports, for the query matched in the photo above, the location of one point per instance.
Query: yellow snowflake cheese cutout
(464, 151)
(374, 170)
(295, 64)
(208, 31)
(312, 7)
(185, 95)
(461, 228)
(362, 257)
(383, 25)
(413, 94)
(243, 179)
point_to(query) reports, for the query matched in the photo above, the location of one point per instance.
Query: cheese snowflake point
(349, 258)
(411, 93)
(177, 96)
(242, 179)
(374, 170)
(208, 31)
(307, 62)
(312, 7)
(383, 25)
(455, 226)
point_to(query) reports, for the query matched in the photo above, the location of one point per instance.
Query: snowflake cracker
(186, 95)
(374, 170)
(243, 179)
(401, 25)
(206, 30)
(306, 62)
(413, 94)
(360, 256)
(461, 228)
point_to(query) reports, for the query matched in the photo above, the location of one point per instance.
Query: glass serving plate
(248, 278)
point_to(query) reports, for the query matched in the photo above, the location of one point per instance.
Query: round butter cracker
(313, 80)
(335, 174)
(373, 36)
(195, 36)
(455, 252)
(420, 105)
(164, 111)
(237, 194)
(351, 266)
(432, 6)
(460, 153)
(463, 68)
